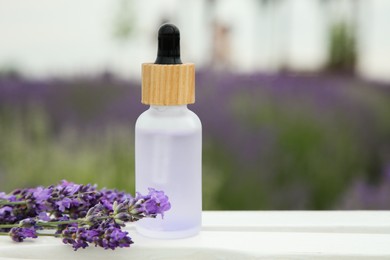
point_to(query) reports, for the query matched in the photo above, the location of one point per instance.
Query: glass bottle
(168, 141)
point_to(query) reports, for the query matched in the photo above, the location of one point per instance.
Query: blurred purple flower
(6, 215)
(18, 234)
(41, 194)
(63, 204)
(3, 195)
(363, 195)
(43, 216)
(28, 223)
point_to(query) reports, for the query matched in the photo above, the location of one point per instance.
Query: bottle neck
(168, 110)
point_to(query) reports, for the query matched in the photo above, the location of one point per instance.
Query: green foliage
(30, 155)
(342, 48)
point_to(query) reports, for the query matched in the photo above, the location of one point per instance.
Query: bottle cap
(168, 81)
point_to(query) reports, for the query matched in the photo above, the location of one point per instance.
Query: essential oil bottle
(168, 140)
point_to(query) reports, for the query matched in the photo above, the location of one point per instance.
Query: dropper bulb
(168, 45)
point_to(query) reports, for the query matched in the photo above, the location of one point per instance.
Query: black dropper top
(168, 45)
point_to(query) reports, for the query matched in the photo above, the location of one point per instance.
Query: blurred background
(294, 96)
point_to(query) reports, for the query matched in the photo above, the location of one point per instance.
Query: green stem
(82, 220)
(8, 225)
(38, 234)
(6, 202)
(48, 235)
(45, 224)
(56, 223)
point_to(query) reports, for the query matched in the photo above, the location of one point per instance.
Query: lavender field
(270, 141)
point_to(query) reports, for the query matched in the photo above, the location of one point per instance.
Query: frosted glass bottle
(168, 140)
(168, 157)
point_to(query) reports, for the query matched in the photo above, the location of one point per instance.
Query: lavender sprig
(80, 214)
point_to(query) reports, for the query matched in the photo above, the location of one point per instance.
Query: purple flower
(156, 202)
(122, 212)
(30, 207)
(41, 195)
(95, 213)
(81, 214)
(69, 188)
(28, 223)
(6, 215)
(77, 237)
(5, 210)
(43, 216)
(110, 196)
(18, 234)
(73, 199)
(64, 204)
(112, 237)
(3, 196)
(68, 234)
(6, 197)
(107, 235)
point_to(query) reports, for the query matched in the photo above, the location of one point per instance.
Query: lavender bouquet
(78, 214)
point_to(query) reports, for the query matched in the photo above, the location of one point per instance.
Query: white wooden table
(242, 235)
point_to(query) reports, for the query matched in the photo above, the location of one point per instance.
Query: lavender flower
(3, 196)
(41, 195)
(153, 204)
(6, 215)
(64, 204)
(110, 196)
(43, 216)
(77, 237)
(19, 234)
(113, 237)
(96, 213)
(81, 214)
(24, 203)
(6, 197)
(28, 223)
(73, 199)
(107, 235)
(156, 202)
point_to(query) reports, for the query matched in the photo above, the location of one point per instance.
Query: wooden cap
(168, 84)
